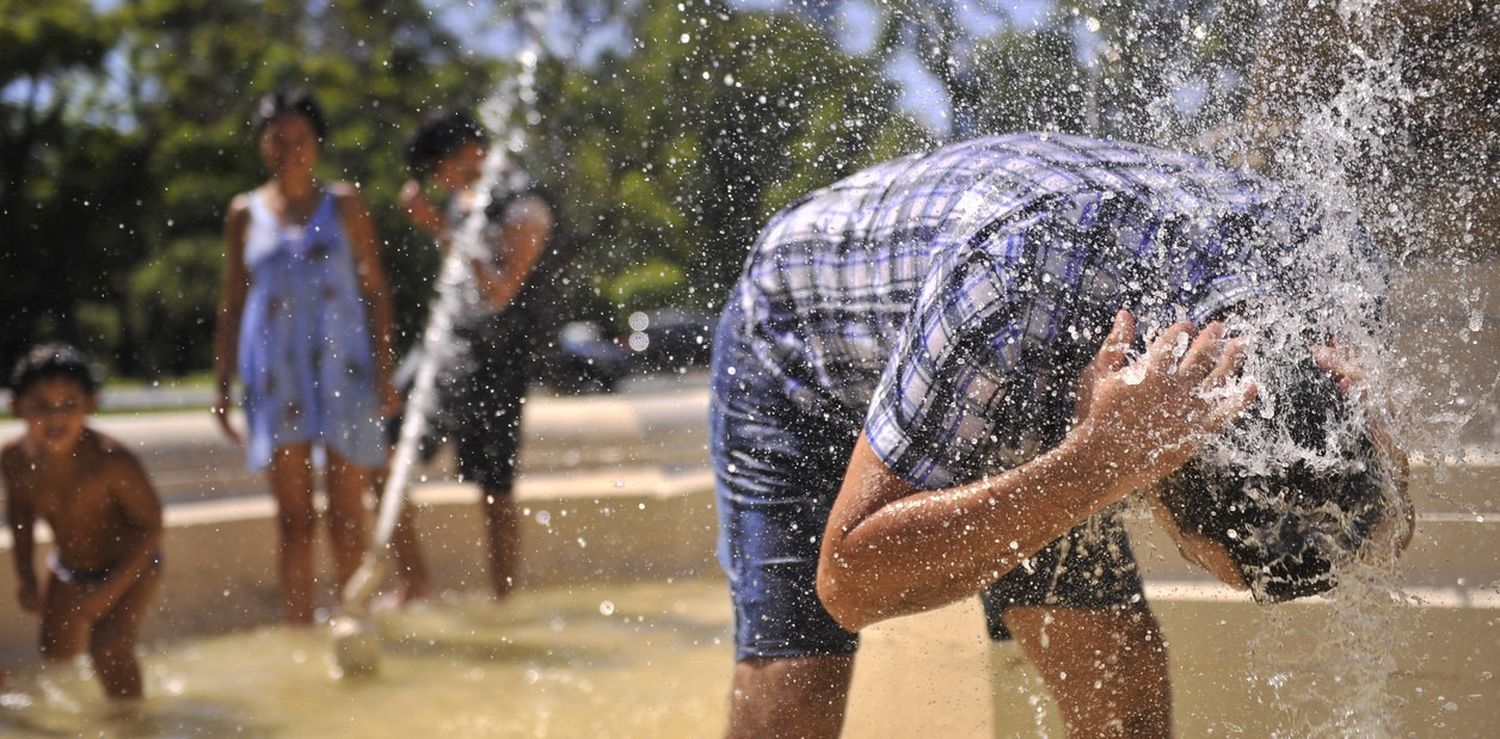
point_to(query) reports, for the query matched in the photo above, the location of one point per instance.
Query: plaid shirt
(950, 300)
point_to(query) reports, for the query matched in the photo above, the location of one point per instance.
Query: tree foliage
(667, 130)
(672, 152)
(126, 134)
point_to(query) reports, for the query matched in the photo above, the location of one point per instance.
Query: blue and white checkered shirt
(950, 300)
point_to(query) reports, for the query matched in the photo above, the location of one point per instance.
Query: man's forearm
(500, 286)
(890, 549)
(936, 547)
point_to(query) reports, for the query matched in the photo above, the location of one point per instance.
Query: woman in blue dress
(305, 322)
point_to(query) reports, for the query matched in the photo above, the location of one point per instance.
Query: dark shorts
(89, 579)
(778, 470)
(481, 394)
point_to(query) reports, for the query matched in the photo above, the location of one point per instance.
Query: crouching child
(105, 518)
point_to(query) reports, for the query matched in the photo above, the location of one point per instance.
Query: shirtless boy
(104, 515)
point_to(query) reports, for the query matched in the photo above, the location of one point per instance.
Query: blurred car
(584, 360)
(671, 338)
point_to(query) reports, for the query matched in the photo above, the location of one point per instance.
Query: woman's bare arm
(231, 310)
(359, 228)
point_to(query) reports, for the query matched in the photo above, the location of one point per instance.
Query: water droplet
(607, 608)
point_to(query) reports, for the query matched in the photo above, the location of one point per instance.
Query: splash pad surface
(654, 659)
(630, 660)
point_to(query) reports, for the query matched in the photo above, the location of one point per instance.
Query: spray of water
(507, 113)
(1344, 153)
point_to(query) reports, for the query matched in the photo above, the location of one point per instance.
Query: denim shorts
(778, 469)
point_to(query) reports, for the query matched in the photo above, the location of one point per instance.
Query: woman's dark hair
(51, 360)
(441, 133)
(298, 101)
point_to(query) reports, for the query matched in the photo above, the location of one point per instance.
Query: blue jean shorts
(778, 469)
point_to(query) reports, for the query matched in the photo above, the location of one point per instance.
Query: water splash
(1351, 154)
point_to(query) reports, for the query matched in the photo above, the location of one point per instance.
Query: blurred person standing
(508, 310)
(304, 320)
(105, 518)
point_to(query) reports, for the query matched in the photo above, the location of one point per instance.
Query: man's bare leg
(790, 697)
(1105, 668)
(406, 548)
(503, 529)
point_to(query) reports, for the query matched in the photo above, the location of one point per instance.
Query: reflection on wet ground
(601, 660)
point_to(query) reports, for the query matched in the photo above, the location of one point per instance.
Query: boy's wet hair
(441, 134)
(52, 360)
(1288, 528)
(298, 101)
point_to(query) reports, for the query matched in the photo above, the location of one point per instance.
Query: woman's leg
(292, 485)
(347, 486)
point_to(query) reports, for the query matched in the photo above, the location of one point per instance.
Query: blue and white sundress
(305, 352)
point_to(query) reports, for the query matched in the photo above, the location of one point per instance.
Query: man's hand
(1150, 417)
(420, 211)
(1110, 357)
(1351, 376)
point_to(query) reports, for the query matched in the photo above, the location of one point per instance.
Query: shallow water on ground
(640, 659)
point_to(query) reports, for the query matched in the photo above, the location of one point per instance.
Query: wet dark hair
(298, 100)
(442, 133)
(1290, 528)
(52, 360)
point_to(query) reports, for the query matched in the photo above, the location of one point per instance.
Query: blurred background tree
(126, 133)
(672, 152)
(667, 130)
(52, 160)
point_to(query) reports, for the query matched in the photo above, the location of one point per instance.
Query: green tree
(671, 153)
(124, 134)
(375, 70)
(49, 56)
